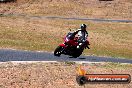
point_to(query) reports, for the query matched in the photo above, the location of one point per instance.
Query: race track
(19, 55)
(67, 18)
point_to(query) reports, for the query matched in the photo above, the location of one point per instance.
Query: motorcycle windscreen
(70, 36)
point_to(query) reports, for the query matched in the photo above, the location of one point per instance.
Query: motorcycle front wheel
(58, 50)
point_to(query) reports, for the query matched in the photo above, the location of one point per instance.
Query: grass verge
(107, 39)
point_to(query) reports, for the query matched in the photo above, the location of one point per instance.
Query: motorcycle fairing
(63, 45)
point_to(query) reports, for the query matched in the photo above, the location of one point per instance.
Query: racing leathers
(82, 35)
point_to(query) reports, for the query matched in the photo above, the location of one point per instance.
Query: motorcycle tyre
(58, 49)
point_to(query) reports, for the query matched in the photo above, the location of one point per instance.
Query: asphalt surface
(69, 18)
(19, 55)
(86, 19)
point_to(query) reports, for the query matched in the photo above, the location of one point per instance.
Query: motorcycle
(72, 46)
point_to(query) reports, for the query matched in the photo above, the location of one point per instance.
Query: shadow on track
(77, 58)
(82, 58)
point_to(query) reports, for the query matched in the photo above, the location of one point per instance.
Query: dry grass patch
(116, 9)
(56, 75)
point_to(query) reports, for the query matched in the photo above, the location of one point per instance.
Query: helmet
(83, 26)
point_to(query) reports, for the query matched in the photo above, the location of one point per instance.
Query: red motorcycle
(72, 46)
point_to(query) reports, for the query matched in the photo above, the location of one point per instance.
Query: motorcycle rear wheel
(77, 54)
(58, 50)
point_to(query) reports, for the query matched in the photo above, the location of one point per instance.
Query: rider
(81, 33)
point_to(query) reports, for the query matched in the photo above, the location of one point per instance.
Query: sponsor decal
(83, 78)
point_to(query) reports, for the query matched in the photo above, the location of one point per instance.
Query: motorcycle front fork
(67, 50)
(64, 49)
